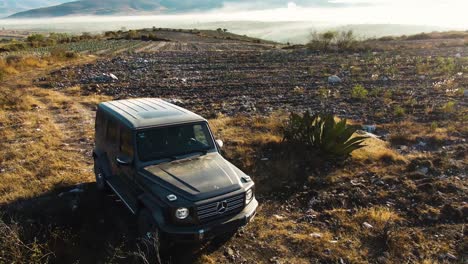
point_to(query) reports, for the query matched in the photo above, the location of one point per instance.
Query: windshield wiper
(169, 158)
(203, 151)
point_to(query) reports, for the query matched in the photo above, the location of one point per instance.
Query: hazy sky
(441, 13)
(451, 13)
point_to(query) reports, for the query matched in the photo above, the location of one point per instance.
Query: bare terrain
(402, 198)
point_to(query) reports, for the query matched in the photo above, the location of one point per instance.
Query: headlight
(249, 196)
(182, 213)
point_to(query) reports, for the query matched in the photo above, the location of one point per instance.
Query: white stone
(334, 79)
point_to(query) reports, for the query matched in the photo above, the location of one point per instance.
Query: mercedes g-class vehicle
(164, 164)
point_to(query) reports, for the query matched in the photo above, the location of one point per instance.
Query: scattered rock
(275, 260)
(451, 256)
(229, 252)
(367, 225)
(279, 217)
(316, 235)
(369, 128)
(113, 77)
(334, 79)
(423, 170)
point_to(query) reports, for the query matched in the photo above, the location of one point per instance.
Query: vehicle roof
(148, 112)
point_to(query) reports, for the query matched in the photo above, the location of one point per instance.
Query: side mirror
(124, 160)
(220, 143)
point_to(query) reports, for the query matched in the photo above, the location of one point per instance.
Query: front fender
(150, 203)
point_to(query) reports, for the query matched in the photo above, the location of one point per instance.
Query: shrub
(321, 41)
(36, 38)
(343, 41)
(359, 92)
(13, 59)
(420, 36)
(399, 111)
(386, 38)
(321, 132)
(346, 40)
(449, 107)
(16, 250)
(132, 34)
(60, 53)
(71, 55)
(446, 65)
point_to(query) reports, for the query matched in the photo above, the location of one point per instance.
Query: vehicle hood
(199, 177)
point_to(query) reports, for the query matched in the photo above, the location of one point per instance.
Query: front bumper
(210, 230)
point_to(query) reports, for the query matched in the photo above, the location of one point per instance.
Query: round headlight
(248, 196)
(182, 213)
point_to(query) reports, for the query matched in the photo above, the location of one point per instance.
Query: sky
(441, 13)
(445, 13)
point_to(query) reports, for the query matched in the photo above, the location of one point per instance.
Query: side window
(200, 135)
(112, 132)
(126, 146)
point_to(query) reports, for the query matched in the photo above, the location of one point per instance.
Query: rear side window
(100, 124)
(112, 132)
(126, 146)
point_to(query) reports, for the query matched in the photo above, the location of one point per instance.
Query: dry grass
(378, 217)
(377, 150)
(36, 154)
(14, 249)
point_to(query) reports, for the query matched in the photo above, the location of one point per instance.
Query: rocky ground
(252, 78)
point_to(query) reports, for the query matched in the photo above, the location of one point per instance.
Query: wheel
(150, 238)
(100, 179)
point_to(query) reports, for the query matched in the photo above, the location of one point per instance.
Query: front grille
(209, 211)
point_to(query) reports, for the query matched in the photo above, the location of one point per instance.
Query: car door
(121, 180)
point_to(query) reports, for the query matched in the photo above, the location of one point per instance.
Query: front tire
(150, 238)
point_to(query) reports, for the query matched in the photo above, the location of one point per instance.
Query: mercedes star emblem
(221, 207)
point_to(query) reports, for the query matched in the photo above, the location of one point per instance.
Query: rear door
(119, 140)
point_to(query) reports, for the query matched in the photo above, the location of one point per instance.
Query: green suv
(165, 165)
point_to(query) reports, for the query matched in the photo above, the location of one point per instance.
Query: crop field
(399, 199)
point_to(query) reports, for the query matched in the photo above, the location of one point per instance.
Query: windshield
(168, 142)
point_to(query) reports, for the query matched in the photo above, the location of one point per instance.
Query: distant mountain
(131, 7)
(8, 7)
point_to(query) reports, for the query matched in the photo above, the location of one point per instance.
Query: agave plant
(323, 133)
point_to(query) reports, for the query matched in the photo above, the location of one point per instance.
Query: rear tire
(101, 183)
(150, 238)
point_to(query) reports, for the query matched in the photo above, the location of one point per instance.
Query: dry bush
(377, 150)
(14, 250)
(378, 216)
(336, 40)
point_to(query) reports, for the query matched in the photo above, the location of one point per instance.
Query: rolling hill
(8, 7)
(118, 7)
(132, 7)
